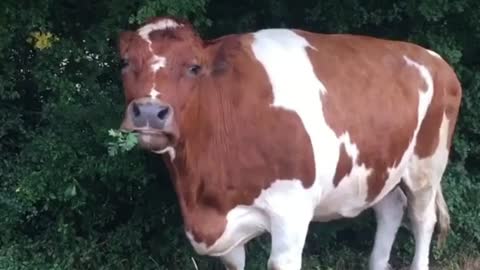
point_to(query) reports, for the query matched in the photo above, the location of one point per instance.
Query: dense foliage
(65, 203)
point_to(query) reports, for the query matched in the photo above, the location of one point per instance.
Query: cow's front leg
(288, 238)
(235, 259)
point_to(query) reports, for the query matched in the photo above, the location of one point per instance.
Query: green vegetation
(67, 203)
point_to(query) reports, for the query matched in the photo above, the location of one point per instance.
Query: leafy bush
(70, 199)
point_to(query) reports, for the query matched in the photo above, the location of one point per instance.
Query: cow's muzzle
(153, 121)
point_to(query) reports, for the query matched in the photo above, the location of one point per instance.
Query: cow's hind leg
(425, 200)
(235, 259)
(389, 213)
(421, 212)
(423, 204)
(426, 205)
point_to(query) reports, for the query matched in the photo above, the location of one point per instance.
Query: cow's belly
(349, 198)
(289, 199)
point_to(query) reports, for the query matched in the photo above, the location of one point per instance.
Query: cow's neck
(229, 154)
(206, 156)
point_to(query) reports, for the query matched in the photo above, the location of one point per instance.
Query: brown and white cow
(268, 131)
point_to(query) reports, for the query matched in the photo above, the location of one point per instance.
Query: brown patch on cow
(453, 100)
(344, 165)
(429, 133)
(445, 101)
(232, 144)
(361, 74)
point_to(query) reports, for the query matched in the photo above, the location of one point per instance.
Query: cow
(268, 131)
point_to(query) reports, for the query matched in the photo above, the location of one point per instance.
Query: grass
(334, 252)
(346, 245)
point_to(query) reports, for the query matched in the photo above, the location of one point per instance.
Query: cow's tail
(443, 217)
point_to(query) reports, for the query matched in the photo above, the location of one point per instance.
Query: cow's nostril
(136, 110)
(163, 113)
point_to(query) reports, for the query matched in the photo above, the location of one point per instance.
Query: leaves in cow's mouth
(121, 142)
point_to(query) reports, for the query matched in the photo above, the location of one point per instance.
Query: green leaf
(70, 191)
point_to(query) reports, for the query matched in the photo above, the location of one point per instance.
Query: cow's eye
(194, 70)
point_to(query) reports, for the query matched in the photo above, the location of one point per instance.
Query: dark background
(65, 203)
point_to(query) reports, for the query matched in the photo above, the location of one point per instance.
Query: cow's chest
(241, 224)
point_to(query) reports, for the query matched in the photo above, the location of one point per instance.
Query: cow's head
(164, 62)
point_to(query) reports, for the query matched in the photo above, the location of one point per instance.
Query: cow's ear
(219, 63)
(124, 40)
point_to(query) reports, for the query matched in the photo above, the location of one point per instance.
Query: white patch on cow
(348, 198)
(296, 88)
(434, 54)
(153, 93)
(158, 62)
(350, 148)
(169, 150)
(431, 167)
(235, 259)
(159, 25)
(243, 223)
(265, 214)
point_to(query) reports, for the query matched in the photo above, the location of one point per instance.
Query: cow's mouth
(155, 141)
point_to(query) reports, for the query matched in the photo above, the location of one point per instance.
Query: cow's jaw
(158, 142)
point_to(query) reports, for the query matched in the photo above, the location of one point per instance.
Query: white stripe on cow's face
(144, 32)
(154, 93)
(158, 62)
(159, 25)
